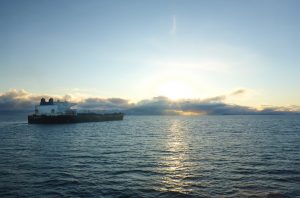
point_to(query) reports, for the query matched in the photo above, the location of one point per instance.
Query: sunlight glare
(176, 90)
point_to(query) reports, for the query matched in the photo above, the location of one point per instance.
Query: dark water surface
(153, 156)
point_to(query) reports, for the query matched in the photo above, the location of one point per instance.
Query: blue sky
(142, 49)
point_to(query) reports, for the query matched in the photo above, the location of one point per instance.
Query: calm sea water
(153, 156)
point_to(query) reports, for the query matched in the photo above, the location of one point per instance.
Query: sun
(176, 90)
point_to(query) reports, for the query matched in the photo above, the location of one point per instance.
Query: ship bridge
(52, 108)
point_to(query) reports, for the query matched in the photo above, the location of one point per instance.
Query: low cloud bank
(20, 100)
(16, 101)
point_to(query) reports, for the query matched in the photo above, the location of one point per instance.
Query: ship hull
(64, 119)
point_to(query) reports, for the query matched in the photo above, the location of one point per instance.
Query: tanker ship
(60, 112)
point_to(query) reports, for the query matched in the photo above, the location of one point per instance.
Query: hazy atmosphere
(204, 57)
(150, 98)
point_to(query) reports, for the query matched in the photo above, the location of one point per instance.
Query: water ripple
(153, 156)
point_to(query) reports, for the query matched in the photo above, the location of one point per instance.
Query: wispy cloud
(239, 92)
(222, 98)
(174, 25)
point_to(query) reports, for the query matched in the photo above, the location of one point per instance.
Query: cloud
(239, 92)
(104, 104)
(174, 25)
(15, 100)
(214, 99)
(164, 106)
(222, 98)
(21, 100)
(280, 110)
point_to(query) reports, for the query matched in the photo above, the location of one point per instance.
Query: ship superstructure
(52, 108)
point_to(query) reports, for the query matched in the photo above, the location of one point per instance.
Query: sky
(138, 50)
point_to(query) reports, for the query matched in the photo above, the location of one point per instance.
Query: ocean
(152, 156)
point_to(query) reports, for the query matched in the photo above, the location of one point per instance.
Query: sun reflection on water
(176, 165)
